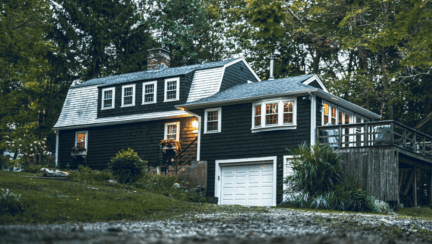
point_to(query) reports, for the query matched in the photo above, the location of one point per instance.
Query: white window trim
(133, 95)
(155, 92)
(113, 98)
(280, 125)
(177, 91)
(243, 161)
(178, 130)
(86, 141)
(219, 120)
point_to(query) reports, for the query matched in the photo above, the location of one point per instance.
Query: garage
(249, 183)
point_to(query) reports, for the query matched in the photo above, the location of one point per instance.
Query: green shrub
(31, 168)
(127, 166)
(317, 182)
(5, 162)
(10, 203)
(87, 175)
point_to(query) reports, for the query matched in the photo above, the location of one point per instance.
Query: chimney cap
(157, 49)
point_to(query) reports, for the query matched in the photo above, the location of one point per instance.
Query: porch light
(195, 126)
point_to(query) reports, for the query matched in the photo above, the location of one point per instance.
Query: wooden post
(366, 135)
(430, 188)
(392, 133)
(415, 187)
(414, 144)
(423, 145)
(404, 138)
(340, 136)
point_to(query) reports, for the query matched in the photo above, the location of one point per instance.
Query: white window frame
(177, 79)
(280, 125)
(133, 95)
(103, 98)
(219, 120)
(330, 112)
(86, 135)
(178, 130)
(154, 83)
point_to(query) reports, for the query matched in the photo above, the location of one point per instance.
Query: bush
(127, 166)
(10, 203)
(317, 182)
(87, 175)
(5, 162)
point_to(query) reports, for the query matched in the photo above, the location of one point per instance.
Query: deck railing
(381, 133)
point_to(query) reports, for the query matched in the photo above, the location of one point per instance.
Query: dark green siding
(237, 141)
(160, 106)
(105, 141)
(236, 74)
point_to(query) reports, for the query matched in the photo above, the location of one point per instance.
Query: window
(213, 120)
(172, 90)
(149, 92)
(329, 114)
(274, 115)
(128, 95)
(108, 97)
(172, 131)
(81, 139)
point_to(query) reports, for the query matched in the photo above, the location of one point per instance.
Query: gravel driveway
(269, 226)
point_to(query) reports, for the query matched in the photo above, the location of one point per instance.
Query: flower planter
(79, 153)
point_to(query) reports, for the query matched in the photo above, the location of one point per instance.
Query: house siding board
(160, 106)
(315, 84)
(234, 75)
(237, 141)
(104, 142)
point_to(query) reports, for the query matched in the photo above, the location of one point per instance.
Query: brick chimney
(158, 58)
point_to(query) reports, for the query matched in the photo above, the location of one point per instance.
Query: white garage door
(250, 185)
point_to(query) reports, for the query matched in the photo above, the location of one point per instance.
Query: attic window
(172, 89)
(149, 92)
(108, 97)
(128, 95)
(275, 114)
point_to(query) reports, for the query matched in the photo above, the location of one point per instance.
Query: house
(137, 110)
(240, 127)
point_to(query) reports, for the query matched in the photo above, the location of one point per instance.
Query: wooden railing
(186, 155)
(381, 133)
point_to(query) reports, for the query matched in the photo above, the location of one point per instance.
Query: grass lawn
(53, 201)
(419, 213)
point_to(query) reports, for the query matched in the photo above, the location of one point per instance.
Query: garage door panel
(248, 184)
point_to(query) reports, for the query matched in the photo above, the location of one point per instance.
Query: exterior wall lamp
(195, 126)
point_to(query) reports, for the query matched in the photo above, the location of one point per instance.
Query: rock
(176, 185)
(113, 181)
(54, 173)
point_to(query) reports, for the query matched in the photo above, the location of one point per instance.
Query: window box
(275, 114)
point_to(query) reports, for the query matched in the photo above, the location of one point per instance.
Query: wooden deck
(378, 134)
(393, 162)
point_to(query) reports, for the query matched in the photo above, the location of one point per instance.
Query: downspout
(199, 135)
(313, 119)
(57, 132)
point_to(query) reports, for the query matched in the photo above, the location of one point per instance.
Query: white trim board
(199, 135)
(312, 79)
(243, 161)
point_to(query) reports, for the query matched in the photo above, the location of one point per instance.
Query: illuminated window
(257, 116)
(288, 112)
(274, 115)
(81, 139)
(172, 131)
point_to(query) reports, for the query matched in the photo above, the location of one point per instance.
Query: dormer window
(274, 114)
(108, 97)
(172, 89)
(149, 92)
(128, 95)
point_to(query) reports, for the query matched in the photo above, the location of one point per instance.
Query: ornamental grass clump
(87, 175)
(318, 182)
(127, 166)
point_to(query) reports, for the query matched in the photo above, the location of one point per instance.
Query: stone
(113, 181)
(176, 185)
(54, 173)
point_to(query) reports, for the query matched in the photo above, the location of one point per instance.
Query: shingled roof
(257, 89)
(152, 74)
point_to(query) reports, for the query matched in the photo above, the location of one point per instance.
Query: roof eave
(242, 100)
(349, 105)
